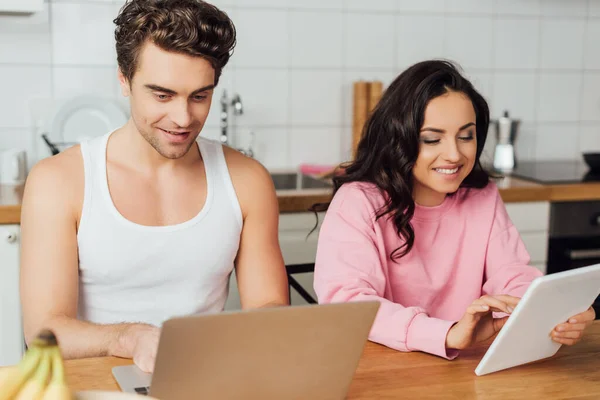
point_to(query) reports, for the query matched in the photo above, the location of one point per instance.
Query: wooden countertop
(10, 204)
(511, 189)
(384, 373)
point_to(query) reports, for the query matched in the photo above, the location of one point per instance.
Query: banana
(34, 388)
(5, 372)
(57, 389)
(18, 376)
(29, 379)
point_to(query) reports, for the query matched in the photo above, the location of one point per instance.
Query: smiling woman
(422, 142)
(416, 224)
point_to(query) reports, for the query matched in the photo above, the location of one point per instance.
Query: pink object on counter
(463, 248)
(314, 169)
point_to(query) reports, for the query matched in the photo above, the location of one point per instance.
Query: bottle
(504, 154)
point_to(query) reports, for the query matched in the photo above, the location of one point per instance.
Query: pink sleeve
(349, 268)
(507, 269)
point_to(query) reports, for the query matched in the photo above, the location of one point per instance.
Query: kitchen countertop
(385, 373)
(511, 189)
(10, 204)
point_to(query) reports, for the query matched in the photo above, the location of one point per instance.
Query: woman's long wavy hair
(389, 147)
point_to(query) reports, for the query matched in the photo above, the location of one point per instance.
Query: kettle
(13, 166)
(506, 134)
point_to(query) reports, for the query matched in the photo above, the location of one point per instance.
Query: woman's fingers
(570, 327)
(585, 317)
(478, 308)
(568, 334)
(487, 304)
(496, 304)
(511, 301)
(565, 341)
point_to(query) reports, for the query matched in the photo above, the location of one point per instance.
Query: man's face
(170, 96)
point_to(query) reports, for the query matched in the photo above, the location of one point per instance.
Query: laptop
(303, 352)
(550, 300)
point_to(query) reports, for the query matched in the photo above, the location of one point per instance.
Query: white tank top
(135, 273)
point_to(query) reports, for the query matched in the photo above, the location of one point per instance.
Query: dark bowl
(593, 161)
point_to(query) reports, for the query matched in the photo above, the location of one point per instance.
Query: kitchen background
(294, 69)
(296, 60)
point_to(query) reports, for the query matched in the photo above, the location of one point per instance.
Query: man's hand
(139, 342)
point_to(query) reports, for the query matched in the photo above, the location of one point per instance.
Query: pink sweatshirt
(464, 248)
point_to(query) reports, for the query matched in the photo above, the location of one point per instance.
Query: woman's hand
(478, 323)
(571, 331)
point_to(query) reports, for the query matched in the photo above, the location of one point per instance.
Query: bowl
(109, 395)
(592, 160)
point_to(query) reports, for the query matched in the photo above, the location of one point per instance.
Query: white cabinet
(297, 246)
(532, 221)
(11, 330)
(26, 6)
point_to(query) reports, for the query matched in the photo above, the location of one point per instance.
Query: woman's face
(447, 148)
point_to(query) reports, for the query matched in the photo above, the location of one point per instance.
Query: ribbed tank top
(135, 273)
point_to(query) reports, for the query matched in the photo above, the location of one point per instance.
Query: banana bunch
(39, 376)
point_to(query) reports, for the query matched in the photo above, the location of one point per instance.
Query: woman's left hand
(571, 332)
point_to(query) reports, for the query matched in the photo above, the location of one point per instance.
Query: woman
(416, 224)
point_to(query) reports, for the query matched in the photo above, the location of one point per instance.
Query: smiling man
(147, 222)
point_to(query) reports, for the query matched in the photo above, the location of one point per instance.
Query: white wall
(296, 60)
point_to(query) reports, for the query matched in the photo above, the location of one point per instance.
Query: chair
(293, 283)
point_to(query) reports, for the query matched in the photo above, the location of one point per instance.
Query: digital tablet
(549, 300)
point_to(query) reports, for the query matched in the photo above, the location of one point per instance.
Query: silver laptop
(304, 352)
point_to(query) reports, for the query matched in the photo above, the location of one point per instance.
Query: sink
(297, 181)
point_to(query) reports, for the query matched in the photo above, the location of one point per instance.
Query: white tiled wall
(296, 61)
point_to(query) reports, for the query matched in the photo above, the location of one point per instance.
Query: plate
(85, 117)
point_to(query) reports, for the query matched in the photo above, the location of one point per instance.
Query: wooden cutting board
(366, 95)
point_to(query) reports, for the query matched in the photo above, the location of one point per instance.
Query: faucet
(224, 118)
(238, 109)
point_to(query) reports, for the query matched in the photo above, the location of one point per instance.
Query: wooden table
(573, 373)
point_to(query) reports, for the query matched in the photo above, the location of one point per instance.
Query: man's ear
(124, 83)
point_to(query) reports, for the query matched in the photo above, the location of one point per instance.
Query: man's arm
(260, 271)
(49, 263)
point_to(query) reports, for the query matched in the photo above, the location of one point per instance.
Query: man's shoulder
(245, 169)
(251, 182)
(59, 175)
(65, 164)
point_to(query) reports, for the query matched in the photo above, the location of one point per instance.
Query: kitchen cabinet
(297, 246)
(11, 328)
(532, 220)
(24, 6)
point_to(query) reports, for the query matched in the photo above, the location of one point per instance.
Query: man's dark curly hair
(191, 27)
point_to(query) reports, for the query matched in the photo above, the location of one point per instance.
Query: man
(147, 222)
